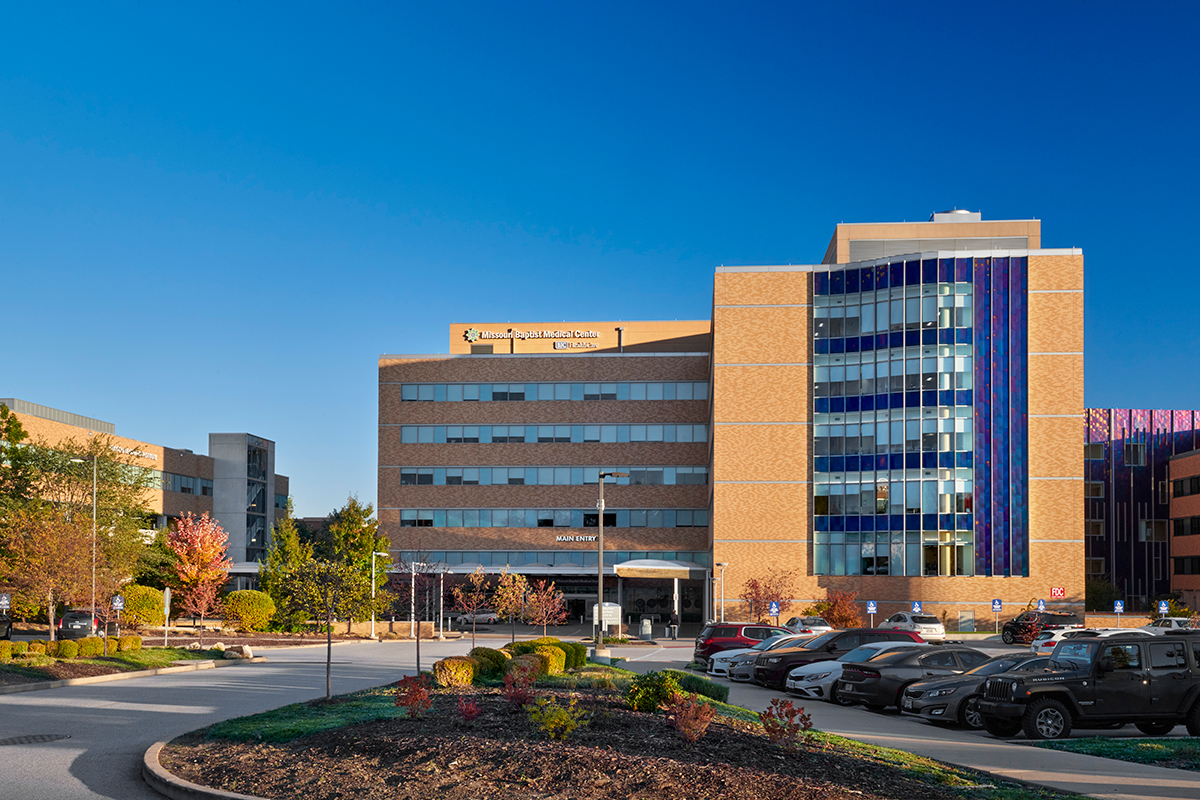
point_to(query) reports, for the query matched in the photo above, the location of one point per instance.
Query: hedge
(456, 671)
(38, 646)
(536, 662)
(6, 650)
(491, 661)
(90, 647)
(143, 606)
(701, 686)
(556, 658)
(580, 650)
(19, 648)
(67, 649)
(248, 609)
(130, 643)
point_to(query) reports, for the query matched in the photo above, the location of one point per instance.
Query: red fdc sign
(1058, 592)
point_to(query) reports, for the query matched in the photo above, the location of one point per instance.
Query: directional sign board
(997, 606)
(5, 602)
(872, 608)
(773, 610)
(916, 607)
(1118, 606)
(118, 602)
(1164, 608)
(1041, 605)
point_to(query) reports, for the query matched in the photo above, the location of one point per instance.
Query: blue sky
(217, 217)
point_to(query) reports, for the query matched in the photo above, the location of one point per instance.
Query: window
(1094, 567)
(1187, 565)
(1124, 656)
(1135, 454)
(1167, 655)
(1186, 487)
(1094, 452)
(1186, 526)
(1152, 530)
(463, 392)
(1095, 528)
(1093, 489)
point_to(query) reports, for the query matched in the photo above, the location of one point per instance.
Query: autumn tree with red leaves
(544, 605)
(777, 585)
(200, 545)
(839, 609)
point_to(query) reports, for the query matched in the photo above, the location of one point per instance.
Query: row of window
(550, 558)
(894, 375)
(894, 461)
(887, 341)
(895, 497)
(550, 476)
(1187, 565)
(899, 273)
(896, 400)
(545, 434)
(905, 558)
(886, 312)
(186, 484)
(553, 518)
(932, 434)
(464, 392)
(1186, 487)
(1135, 453)
(866, 523)
(1186, 526)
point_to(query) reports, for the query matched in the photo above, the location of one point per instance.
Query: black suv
(1030, 623)
(772, 668)
(5, 626)
(1153, 682)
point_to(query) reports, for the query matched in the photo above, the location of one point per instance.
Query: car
(1028, 624)
(955, 698)
(818, 679)
(771, 669)
(1164, 624)
(78, 623)
(1151, 681)
(1047, 640)
(881, 683)
(929, 626)
(719, 636)
(718, 664)
(741, 668)
(5, 626)
(808, 625)
(484, 616)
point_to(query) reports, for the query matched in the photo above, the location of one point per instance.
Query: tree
(17, 474)
(328, 590)
(45, 558)
(470, 599)
(544, 605)
(1100, 593)
(352, 535)
(839, 609)
(202, 567)
(508, 600)
(156, 563)
(286, 553)
(778, 585)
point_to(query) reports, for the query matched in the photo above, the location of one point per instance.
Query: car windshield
(765, 643)
(993, 667)
(925, 619)
(859, 654)
(1044, 635)
(776, 644)
(820, 641)
(807, 621)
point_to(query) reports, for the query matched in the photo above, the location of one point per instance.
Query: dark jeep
(1099, 683)
(1029, 624)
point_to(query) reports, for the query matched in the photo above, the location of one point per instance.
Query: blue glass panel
(962, 397)
(999, 473)
(912, 273)
(837, 463)
(867, 523)
(962, 270)
(837, 282)
(929, 271)
(929, 522)
(837, 523)
(852, 523)
(852, 281)
(1019, 420)
(912, 338)
(881, 461)
(851, 463)
(929, 399)
(881, 341)
(821, 464)
(821, 283)
(981, 286)
(945, 460)
(946, 270)
(896, 522)
(821, 346)
(896, 273)
(851, 404)
(881, 402)
(963, 522)
(866, 343)
(912, 460)
(822, 405)
(912, 522)
(945, 397)
(821, 523)
(896, 461)
(867, 280)
(963, 336)
(837, 405)
(929, 335)
(946, 522)
(867, 403)
(897, 400)
(852, 344)
(881, 276)
(912, 400)
(837, 345)
(896, 339)
(963, 459)
(945, 336)
(929, 460)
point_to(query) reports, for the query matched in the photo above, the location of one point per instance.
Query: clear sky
(215, 217)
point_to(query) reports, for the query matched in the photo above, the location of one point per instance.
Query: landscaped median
(1172, 753)
(525, 721)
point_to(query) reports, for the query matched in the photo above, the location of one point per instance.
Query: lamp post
(722, 565)
(412, 597)
(78, 460)
(600, 651)
(373, 554)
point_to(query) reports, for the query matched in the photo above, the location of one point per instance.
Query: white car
(1164, 624)
(718, 664)
(927, 625)
(483, 616)
(818, 679)
(808, 625)
(1045, 642)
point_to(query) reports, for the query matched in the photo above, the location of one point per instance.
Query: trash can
(647, 631)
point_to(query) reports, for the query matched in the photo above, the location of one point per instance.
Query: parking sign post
(872, 610)
(1118, 609)
(773, 610)
(1164, 608)
(916, 607)
(1041, 605)
(996, 607)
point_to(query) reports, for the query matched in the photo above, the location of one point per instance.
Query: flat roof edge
(442, 356)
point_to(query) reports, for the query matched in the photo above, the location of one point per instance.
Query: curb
(122, 676)
(166, 784)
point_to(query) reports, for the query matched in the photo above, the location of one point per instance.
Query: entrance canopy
(650, 568)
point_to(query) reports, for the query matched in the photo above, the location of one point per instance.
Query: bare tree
(472, 597)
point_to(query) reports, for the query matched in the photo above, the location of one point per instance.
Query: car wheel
(1008, 637)
(875, 707)
(1001, 727)
(968, 713)
(1155, 728)
(836, 697)
(1193, 720)
(1046, 719)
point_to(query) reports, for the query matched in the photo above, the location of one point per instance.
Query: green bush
(556, 658)
(38, 646)
(67, 649)
(545, 640)
(19, 648)
(492, 662)
(6, 650)
(651, 691)
(248, 609)
(143, 606)
(91, 646)
(130, 643)
(698, 685)
(580, 650)
(456, 671)
(534, 662)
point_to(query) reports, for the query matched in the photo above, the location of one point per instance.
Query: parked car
(771, 669)
(818, 679)
(1046, 641)
(5, 626)
(955, 698)
(808, 625)
(929, 626)
(719, 636)
(1164, 624)
(880, 683)
(1029, 624)
(79, 622)
(738, 665)
(484, 616)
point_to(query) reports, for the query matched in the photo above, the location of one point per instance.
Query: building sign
(1058, 592)
(129, 451)
(574, 538)
(473, 335)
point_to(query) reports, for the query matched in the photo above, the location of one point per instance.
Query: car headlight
(773, 660)
(818, 677)
(941, 692)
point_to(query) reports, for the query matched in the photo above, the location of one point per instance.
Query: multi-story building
(236, 483)
(1185, 526)
(901, 420)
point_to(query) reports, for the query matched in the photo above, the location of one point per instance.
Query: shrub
(556, 721)
(701, 686)
(468, 709)
(131, 643)
(19, 648)
(456, 671)
(581, 652)
(689, 716)
(91, 646)
(545, 640)
(67, 649)
(518, 685)
(412, 694)
(6, 650)
(521, 648)
(38, 646)
(651, 691)
(143, 606)
(839, 609)
(492, 662)
(785, 724)
(248, 609)
(537, 661)
(556, 658)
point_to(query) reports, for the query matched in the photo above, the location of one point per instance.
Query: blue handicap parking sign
(916, 607)
(774, 610)
(1118, 606)
(1163, 607)
(997, 606)
(1041, 605)
(118, 602)
(872, 608)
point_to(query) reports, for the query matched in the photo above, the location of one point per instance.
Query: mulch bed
(619, 754)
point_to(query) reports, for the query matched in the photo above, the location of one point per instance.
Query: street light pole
(80, 461)
(722, 566)
(373, 554)
(600, 651)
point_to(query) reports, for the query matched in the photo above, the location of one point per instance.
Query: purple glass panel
(982, 290)
(881, 276)
(821, 283)
(946, 270)
(1019, 417)
(999, 474)
(962, 270)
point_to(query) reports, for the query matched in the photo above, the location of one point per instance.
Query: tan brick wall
(1055, 448)
(1055, 273)
(1056, 323)
(1056, 385)
(762, 288)
(760, 511)
(838, 250)
(762, 335)
(547, 369)
(1056, 511)
(760, 394)
(392, 495)
(762, 452)
(393, 453)
(539, 412)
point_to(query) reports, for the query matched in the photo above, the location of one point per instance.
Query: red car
(720, 636)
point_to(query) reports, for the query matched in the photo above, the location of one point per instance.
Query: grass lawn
(40, 667)
(1173, 753)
